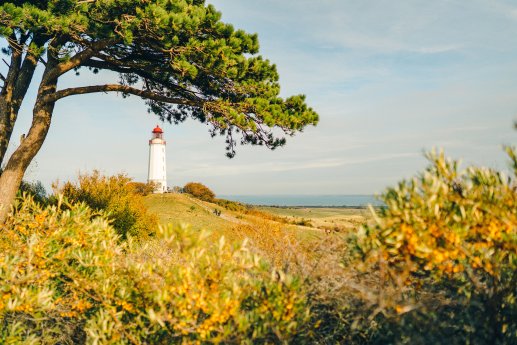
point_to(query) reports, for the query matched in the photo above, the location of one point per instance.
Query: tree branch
(100, 64)
(14, 66)
(80, 58)
(25, 76)
(110, 64)
(124, 89)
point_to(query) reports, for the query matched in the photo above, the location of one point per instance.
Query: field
(326, 218)
(282, 235)
(184, 209)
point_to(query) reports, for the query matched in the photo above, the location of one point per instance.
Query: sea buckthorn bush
(66, 277)
(117, 197)
(200, 191)
(142, 188)
(450, 235)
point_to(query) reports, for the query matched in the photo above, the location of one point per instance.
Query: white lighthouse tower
(157, 167)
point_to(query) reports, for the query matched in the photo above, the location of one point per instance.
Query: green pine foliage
(180, 53)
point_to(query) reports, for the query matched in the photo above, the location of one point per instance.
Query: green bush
(200, 191)
(116, 196)
(65, 277)
(231, 205)
(34, 189)
(249, 210)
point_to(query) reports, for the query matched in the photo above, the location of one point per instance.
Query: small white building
(157, 162)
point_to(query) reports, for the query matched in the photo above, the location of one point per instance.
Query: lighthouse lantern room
(157, 163)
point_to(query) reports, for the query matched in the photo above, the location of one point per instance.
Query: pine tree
(177, 55)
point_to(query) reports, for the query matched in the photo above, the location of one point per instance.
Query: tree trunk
(4, 126)
(12, 175)
(9, 184)
(7, 118)
(11, 103)
(6, 100)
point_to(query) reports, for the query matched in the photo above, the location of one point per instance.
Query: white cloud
(277, 167)
(439, 49)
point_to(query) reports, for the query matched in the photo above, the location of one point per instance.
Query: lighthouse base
(160, 187)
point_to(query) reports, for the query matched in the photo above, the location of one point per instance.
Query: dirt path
(209, 207)
(223, 214)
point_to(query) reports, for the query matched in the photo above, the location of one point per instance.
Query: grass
(271, 230)
(183, 209)
(315, 212)
(325, 218)
(307, 251)
(305, 222)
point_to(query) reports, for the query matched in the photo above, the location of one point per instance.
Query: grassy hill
(275, 232)
(325, 218)
(183, 209)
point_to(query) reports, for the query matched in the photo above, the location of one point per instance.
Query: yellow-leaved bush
(65, 277)
(119, 197)
(454, 228)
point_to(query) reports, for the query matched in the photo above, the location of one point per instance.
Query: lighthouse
(157, 168)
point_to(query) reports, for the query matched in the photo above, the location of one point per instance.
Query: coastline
(307, 201)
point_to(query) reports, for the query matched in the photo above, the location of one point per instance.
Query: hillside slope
(183, 209)
(276, 233)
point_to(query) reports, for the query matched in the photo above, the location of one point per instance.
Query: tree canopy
(176, 54)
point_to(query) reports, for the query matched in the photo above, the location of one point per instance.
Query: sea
(306, 200)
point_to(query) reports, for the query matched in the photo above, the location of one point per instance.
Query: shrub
(117, 197)
(249, 210)
(35, 189)
(66, 278)
(231, 205)
(303, 222)
(200, 191)
(141, 188)
(273, 241)
(450, 236)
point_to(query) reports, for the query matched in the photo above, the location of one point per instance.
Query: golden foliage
(451, 231)
(449, 222)
(117, 196)
(141, 188)
(200, 191)
(65, 277)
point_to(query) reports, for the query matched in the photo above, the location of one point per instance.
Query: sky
(389, 79)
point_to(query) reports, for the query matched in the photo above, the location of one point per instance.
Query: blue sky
(389, 79)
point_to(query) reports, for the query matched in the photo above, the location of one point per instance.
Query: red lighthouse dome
(158, 133)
